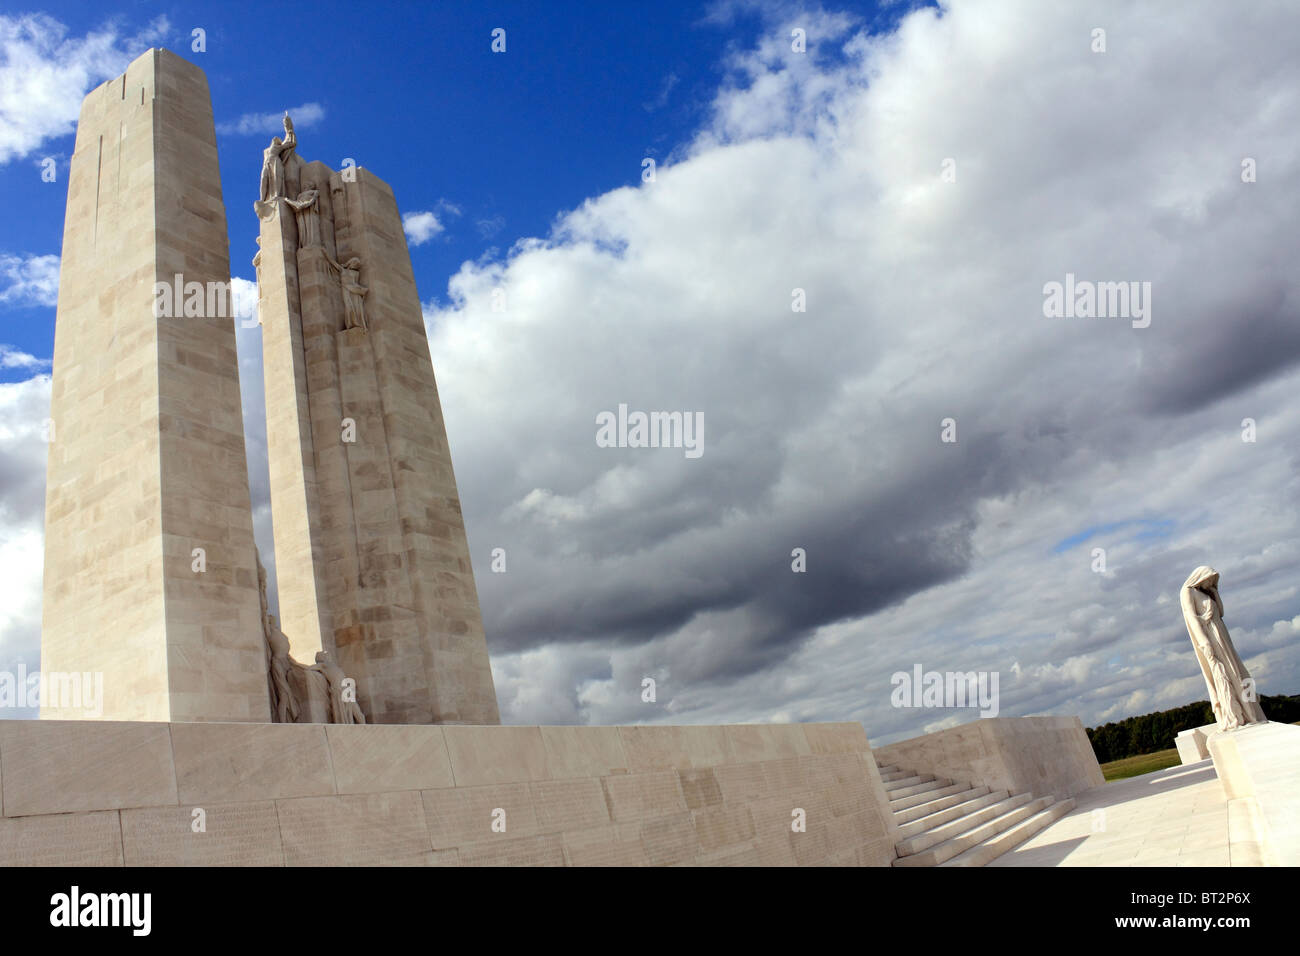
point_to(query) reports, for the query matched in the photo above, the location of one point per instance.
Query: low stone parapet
(1038, 755)
(1191, 743)
(84, 793)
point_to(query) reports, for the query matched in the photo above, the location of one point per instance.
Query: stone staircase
(942, 823)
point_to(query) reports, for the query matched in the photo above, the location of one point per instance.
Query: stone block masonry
(147, 461)
(151, 573)
(1038, 755)
(371, 551)
(113, 794)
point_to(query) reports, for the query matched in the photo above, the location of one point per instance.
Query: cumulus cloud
(272, 123)
(420, 227)
(11, 357)
(824, 174)
(30, 280)
(45, 73)
(243, 298)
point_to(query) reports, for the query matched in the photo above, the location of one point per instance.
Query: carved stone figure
(354, 315)
(1231, 696)
(257, 274)
(315, 694)
(284, 705)
(273, 160)
(342, 710)
(307, 210)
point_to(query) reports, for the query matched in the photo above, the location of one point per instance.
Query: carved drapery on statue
(321, 693)
(307, 211)
(274, 157)
(354, 313)
(280, 171)
(1232, 692)
(342, 693)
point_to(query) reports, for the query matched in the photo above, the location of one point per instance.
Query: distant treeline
(1152, 732)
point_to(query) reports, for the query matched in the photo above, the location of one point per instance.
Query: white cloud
(11, 357)
(420, 227)
(31, 280)
(243, 295)
(45, 74)
(309, 114)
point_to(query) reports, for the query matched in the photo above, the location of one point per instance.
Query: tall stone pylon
(150, 567)
(371, 553)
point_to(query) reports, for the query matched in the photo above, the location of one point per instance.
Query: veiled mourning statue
(1231, 691)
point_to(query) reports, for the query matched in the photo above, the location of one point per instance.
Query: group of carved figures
(306, 209)
(325, 682)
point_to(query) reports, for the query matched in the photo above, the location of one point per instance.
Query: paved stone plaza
(1174, 817)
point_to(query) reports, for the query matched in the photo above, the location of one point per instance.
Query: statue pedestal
(1193, 744)
(1259, 765)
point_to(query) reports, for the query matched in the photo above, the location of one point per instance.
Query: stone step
(925, 796)
(1025, 808)
(909, 814)
(977, 811)
(991, 849)
(901, 783)
(915, 788)
(888, 768)
(945, 818)
(895, 775)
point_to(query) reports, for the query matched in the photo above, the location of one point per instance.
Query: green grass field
(1142, 763)
(1145, 763)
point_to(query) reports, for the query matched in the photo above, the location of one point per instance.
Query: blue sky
(827, 172)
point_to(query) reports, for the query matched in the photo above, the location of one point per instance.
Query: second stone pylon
(371, 554)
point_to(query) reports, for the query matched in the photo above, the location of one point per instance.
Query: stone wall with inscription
(135, 793)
